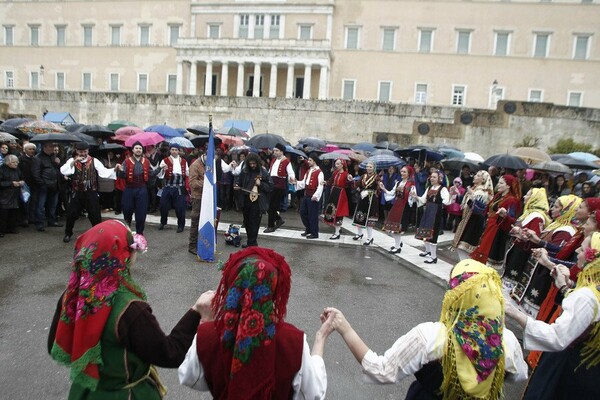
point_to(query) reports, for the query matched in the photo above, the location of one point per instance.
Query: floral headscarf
(249, 305)
(538, 201)
(570, 205)
(100, 270)
(473, 313)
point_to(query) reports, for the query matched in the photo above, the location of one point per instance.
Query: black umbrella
(201, 140)
(364, 146)
(506, 161)
(457, 164)
(312, 142)
(576, 163)
(10, 126)
(266, 141)
(110, 147)
(55, 138)
(234, 132)
(420, 152)
(294, 152)
(199, 129)
(74, 127)
(85, 138)
(98, 131)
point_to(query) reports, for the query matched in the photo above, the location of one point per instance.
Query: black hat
(82, 146)
(279, 146)
(138, 143)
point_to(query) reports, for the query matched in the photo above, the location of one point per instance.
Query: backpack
(232, 236)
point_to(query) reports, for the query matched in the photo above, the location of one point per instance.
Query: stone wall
(486, 132)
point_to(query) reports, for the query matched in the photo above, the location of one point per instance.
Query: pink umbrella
(145, 138)
(128, 130)
(230, 140)
(328, 148)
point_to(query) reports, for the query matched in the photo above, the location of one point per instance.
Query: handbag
(391, 195)
(25, 193)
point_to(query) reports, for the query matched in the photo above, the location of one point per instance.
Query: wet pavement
(382, 295)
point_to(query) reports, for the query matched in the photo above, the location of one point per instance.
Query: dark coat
(246, 180)
(46, 172)
(26, 167)
(9, 194)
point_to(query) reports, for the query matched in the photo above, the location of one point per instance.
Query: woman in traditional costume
(492, 247)
(399, 216)
(569, 368)
(244, 349)
(466, 355)
(474, 203)
(104, 330)
(367, 210)
(434, 198)
(337, 205)
(535, 217)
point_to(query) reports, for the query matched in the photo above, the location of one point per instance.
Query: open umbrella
(585, 156)
(97, 131)
(294, 152)
(531, 155)
(383, 161)
(230, 140)
(40, 127)
(10, 126)
(334, 155)
(181, 141)
(128, 131)
(552, 167)
(238, 149)
(328, 148)
(55, 138)
(354, 156)
(234, 132)
(458, 163)
(74, 127)
(506, 161)
(387, 145)
(364, 146)
(199, 129)
(312, 142)
(473, 157)
(119, 123)
(85, 138)
(145, 139)
(7, 137)
(422, 153)
(164, 130)
(111, 147)
(576, 163)
(266, 141)
(383, 151)
(201, 140)
(451, 152)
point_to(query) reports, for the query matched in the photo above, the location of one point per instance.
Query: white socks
(337, 230)
(369, 233)
(398, 239)
(433, 250)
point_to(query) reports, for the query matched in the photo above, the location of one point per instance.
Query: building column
(323, 78)
(208, 79)
(239, 92)
(179, 83)
(193, 78)
(273, 81)
(256, 85)
(307, 76)
(289, 87)
(224, 78)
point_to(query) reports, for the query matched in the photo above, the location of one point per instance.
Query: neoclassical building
(435, 52)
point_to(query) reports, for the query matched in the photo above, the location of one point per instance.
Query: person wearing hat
(84, 171)
(281, 172)
(313, 190)
(137, 172)
(175, 172)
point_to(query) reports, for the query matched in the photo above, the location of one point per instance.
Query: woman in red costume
(507, 201)
(398, 217)
(337, 206)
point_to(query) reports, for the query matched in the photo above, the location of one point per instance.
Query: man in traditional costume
(281, 172)
(313, 189)
(175, 172)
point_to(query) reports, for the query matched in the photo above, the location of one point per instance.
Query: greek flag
(208, 211)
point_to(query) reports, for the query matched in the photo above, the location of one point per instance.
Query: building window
(385, 91)
(259, 26)
(214, 31)
(88, 35)
(463, 42)
(9, 79)
(9, 38)
(502, 44)
(142, 82)
(171, 84)
(243, 28)
(458, 95)
(305, 32)
(575, 99)
(275, 25)
(174, 34)
(535, 95)
(34, 80)
(114, 82)
(352, 37)
(348, 90)
(425, 40)
(541, 45)
(389, 39)
(86, 81)
(144, 35)
(421, 93)
(581, 47)
(115, 35)
(61, 35)
(60, 81)
(34, 35)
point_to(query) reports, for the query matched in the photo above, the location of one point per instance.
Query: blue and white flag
(208, 209)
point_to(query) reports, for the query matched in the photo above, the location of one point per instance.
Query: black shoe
(194, 252)
(368, 242)
(431, 261)
(67, 238)
(40, 228)
(278, 223)
(179, 230)
(424, 254)
(161, 227)
(269, 230)
(305, 234)
(309, 236)
(56, 225)
(357, 237)
(394, 250)
(334, 237)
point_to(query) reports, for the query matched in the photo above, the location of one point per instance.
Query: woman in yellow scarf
(467, 354)
(570, 365)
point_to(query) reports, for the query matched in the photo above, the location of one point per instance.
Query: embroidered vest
(340, 179)
(313, 182)
(85, 177)
(169, 171)
(280, 181)
(131, 178)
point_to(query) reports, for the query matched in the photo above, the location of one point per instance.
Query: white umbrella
(473, 157)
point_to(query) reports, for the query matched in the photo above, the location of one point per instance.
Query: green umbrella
(119, 123)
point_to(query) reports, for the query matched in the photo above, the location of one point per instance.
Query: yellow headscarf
(538, 201)
(570, 205)
(589, 278)
(473, 313)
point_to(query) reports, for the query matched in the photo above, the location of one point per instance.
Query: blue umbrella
(294, 152)
(420, 152)
(450, 152)
(584, 156)
(364, 146)
(181, 141)
(383, 161)
(164, 131)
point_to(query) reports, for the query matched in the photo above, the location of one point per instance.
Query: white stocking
(337, 230)
(369, 233)
(398, 239)
(433, 250)
(359, 230)
(427, 247)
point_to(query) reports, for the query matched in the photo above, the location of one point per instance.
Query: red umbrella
(145, 138)
(128, 130)
(230, 140)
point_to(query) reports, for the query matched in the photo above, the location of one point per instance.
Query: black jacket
(26, 167)
(246, 180)
(9, 194)
(45, 171)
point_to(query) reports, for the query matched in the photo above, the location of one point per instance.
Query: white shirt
(309, 383)
(108, 173)
(443, 192)
(580, 310)
(176, 167)
(289, 170)
(320, 179)
(425, 343)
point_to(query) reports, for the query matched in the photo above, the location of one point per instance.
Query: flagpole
(207, 221)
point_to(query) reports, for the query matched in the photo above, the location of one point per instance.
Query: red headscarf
(411, 173)
(344, 163)
(593, 204)
(513, 184)
(250, 303)
(100, 269)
